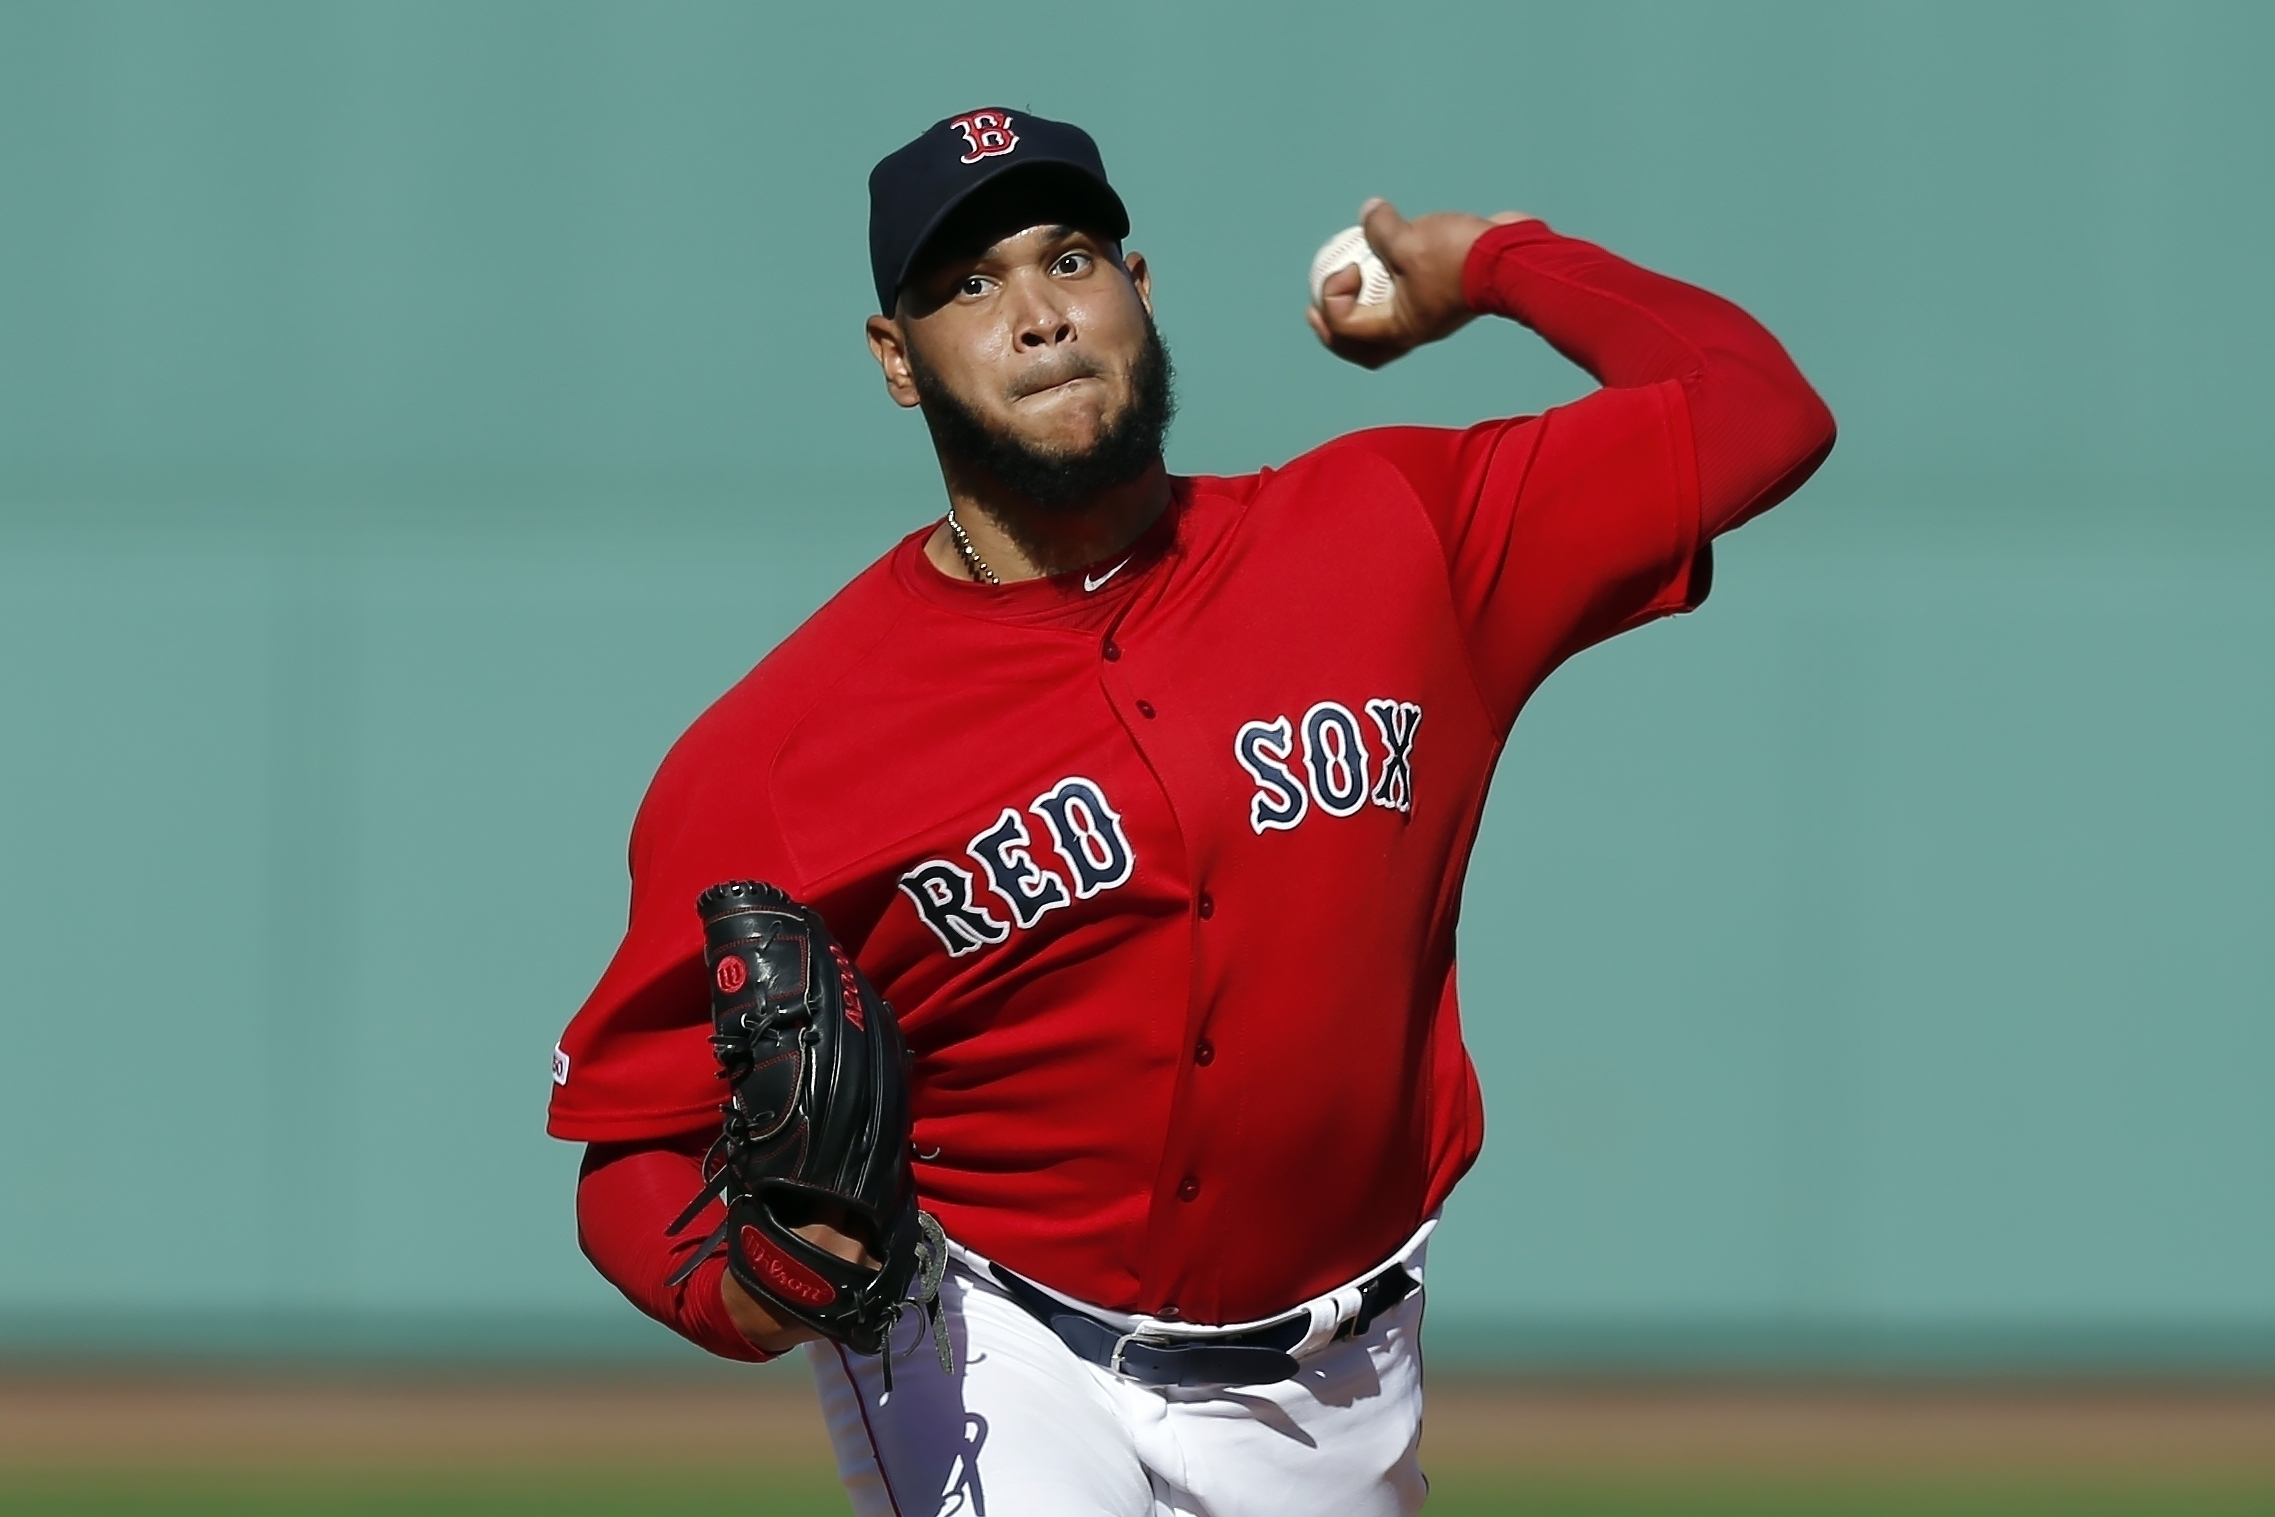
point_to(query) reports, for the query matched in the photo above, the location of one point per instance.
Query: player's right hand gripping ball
(1349, 248)
(817, 1127)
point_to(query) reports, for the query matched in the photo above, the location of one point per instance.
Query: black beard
(1055, 479)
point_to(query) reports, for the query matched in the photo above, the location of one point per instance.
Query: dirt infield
(115, 1421)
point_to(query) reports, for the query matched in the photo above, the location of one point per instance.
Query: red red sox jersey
(1160, 862)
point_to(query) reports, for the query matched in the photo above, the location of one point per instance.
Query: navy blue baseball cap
(914, 191)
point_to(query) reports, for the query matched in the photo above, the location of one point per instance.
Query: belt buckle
(1121, 1347)
(1139, 1337)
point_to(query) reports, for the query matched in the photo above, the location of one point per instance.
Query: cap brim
(1117, 228)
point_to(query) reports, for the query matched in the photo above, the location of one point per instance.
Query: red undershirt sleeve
(1758, 428)
(627, 1194)
(1563, 529)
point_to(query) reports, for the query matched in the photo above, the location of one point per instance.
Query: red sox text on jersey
(1330, 770)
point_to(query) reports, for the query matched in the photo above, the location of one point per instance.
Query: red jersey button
(1145, 709)
(1188, 1188)
(1168, 1312)
(1113, 650)
(1204, 1052)
(1206, 906)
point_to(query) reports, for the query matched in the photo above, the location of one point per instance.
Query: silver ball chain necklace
(972, 559)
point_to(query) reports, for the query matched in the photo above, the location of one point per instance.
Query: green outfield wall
(412, 414)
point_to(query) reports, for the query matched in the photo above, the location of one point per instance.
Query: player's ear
(888, 344)
(1141, 278)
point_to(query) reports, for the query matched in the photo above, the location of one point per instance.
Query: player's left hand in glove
(815, 1130)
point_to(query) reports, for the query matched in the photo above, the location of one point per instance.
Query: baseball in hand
(1345, 248)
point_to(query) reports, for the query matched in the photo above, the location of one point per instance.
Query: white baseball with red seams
(1340, 251)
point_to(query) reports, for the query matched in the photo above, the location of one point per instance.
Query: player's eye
(1070, 264)
(972, 286)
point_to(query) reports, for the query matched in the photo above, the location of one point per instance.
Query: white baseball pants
(1024, 1428)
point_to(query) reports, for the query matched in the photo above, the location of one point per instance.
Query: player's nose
(1040, 319)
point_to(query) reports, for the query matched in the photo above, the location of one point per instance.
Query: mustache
(1052, 479)
(1054, 371)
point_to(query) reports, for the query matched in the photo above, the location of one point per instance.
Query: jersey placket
(1132, 667)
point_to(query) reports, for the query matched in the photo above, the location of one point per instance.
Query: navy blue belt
(1260, 1356)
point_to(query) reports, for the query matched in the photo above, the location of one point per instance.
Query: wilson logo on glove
(852, 990)
(732, 975)
(784, 1273)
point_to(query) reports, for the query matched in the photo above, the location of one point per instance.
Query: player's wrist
(764, 1331)
(1480, 290)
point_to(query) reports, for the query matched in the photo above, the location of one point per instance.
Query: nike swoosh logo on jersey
(1091, 584)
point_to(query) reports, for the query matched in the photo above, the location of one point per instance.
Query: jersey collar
(1091, 595)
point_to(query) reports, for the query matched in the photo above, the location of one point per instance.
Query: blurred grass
(814, 1494)
(811, 1493)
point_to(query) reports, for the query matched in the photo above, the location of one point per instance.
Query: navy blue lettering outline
(1055, 807)
(957, 918)
(1265, 749)
(1012, 873)
(1318, 760)
(1398, 721)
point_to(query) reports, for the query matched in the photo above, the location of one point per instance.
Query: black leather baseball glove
(816, 1130)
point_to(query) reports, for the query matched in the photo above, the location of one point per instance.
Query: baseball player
(1145, 801)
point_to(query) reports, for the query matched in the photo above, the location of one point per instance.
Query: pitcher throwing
(1145, 801)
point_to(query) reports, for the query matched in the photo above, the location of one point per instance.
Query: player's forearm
(626, 1197)
(1758, 426)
